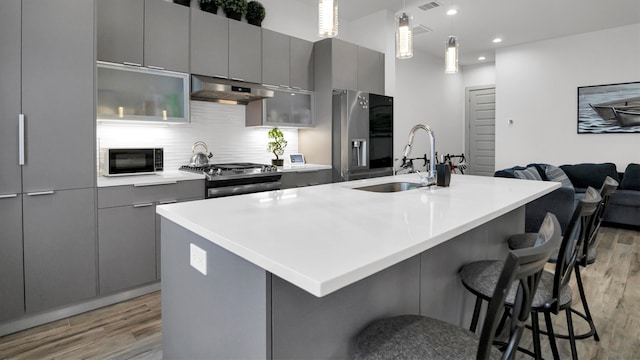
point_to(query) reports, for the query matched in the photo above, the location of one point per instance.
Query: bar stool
(421, 337)
(587, 256)
(554, 293)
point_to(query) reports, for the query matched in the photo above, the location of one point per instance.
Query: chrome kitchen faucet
(431, 179)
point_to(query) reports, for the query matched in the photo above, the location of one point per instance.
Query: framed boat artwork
(612, 108)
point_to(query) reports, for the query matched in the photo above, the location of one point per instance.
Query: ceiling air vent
(429, 5)
(421, 29)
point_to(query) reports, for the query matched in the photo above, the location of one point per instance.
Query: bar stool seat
(405, 336)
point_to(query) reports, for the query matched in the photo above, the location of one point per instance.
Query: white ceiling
(516, 21)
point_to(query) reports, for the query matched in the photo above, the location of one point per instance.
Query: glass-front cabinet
(141, 94)
(287, 108)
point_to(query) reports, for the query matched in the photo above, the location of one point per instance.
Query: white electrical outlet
(198, 259)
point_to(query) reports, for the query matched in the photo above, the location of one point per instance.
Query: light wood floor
(133, 329)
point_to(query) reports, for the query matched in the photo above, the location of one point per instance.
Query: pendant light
(327, 18)
(451, 48)
(451, 56)
(404, 35)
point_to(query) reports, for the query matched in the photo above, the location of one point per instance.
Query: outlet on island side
(198, 258)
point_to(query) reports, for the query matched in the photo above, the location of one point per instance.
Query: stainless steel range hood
(206, 88)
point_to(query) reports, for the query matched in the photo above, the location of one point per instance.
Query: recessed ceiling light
(452, 11)
(497, 40)
(481, 58)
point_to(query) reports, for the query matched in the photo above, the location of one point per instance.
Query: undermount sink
(390, 187)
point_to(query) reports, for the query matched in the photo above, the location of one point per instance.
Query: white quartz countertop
(167, 176)
(305, 167)
(322, 238)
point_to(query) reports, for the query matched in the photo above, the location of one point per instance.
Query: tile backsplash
(221, 127)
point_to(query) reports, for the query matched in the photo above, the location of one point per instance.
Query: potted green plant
(255, 13)
(276, 146)
(209, 5)
(183, 2)
(234, 9)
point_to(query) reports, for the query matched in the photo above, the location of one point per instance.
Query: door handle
(40, 193)
(21, 157)
(8, 196)
(165, 202)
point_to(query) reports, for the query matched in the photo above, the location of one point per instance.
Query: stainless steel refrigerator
(362, 135)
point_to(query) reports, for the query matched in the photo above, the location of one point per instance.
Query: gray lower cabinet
(11, 265)
(166, 35)
(129, 234)
(127, 246)
(59, 248)
(305, 178)
(209, 44)
(120, 31)
(245, 52)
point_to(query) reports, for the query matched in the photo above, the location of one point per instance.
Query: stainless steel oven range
(237, 178)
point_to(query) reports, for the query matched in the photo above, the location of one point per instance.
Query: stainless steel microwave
(131, 161)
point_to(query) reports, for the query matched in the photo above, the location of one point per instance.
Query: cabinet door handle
(8, 196)
(168, 202)
(21, 159)
(237, 79)
(155, 184)
(40, 193)
(132, 64)
(220, 76)
(142, 205)
(155, 67)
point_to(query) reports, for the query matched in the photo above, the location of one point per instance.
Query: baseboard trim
(30, 321)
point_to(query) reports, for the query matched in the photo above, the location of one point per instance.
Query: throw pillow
(584, 175)
(554, 173)
(631, 178)
(529, 173)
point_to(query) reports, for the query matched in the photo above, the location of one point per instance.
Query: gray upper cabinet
(209, 44)
(153, 33)
(166, 35)
(59, 247)
(120, 31)
(10, 177)
(11, 255)
(301, 64)
(370, 71)
(245, 52)
(275, 58)
(344, 61)
(58, 66)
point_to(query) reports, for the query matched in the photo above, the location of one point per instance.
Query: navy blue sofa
(624, 204)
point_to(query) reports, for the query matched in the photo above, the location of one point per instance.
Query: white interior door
(481, 134)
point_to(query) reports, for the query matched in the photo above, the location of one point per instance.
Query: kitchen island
(298, 273)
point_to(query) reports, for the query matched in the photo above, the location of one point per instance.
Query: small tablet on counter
(296, 159)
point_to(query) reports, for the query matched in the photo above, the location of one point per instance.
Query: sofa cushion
(554, 173)
(631, 178)
(508, 173)
(530, 173)
(625, 198)
(587, 174)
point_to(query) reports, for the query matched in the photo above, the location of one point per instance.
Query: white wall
(221, 127)
(480, 74)
(536, 87)
(426, 95)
